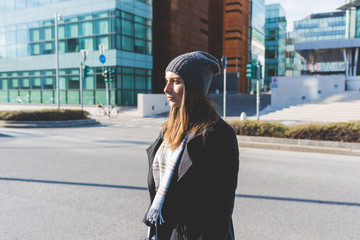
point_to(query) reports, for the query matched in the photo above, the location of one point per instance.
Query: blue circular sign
(102, 58)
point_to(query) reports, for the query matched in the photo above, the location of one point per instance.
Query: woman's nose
(167, 88)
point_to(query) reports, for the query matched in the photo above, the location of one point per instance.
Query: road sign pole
(107, 98)
(102, 59)
(57, 17)
(224, 94)
(84, 54)
(81, 85)
(257, 99)
(224, 64)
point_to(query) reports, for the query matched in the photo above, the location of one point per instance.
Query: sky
(299, 9)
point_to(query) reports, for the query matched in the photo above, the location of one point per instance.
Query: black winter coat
(200, 200)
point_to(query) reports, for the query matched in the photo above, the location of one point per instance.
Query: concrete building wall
(289, 91)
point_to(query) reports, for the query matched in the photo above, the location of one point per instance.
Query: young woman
(193, 165)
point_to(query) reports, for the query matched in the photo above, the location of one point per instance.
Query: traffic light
(249, 70)
(112, 75)
(86, 70)
(106, 75)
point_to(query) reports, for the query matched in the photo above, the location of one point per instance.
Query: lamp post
(57, 17)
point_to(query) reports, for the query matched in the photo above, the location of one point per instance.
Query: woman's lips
(170, 98)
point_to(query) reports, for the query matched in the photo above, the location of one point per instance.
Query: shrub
(259, 128)
(43, 115)
(343, 132)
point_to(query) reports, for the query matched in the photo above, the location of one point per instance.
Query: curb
(300, 145)
(48, 124)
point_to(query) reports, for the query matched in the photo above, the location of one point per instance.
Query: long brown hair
(195, 114)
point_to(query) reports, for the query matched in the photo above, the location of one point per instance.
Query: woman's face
(174, 89)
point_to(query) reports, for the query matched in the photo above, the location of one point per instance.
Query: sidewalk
(300, 145)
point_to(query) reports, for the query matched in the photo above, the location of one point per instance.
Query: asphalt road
(90, 183)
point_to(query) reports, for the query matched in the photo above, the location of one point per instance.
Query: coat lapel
(185, 162)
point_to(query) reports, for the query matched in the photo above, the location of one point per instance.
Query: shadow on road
(4, 135)
(145, 189)
(298, 200)
(73, 183)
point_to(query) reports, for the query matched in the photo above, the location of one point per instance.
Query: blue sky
(299, 9)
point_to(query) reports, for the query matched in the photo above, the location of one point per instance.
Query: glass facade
(357, 23)
(275, 31)
(321, 26)
(15, 5)
(256, 36)
(294, 62)
(40, 86)
(125, 36)
(114, 28)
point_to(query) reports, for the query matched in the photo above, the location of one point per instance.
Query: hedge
(342, 132)
(43, 115)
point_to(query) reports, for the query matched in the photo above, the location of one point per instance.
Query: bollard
(243, 116)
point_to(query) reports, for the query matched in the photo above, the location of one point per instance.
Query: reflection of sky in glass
(258, 14)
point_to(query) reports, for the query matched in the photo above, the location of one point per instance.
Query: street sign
(102, 58)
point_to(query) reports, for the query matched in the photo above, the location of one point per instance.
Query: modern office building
(256, 36)
(275, 32)
(178, 27)
(294, 62)
(336, 55)
(321, 26)
(28, 43)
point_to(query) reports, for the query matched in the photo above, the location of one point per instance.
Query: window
(127, 43)
(72, 30)
(73, 82)
(101, 26)
(46, 33)
(48, 82)
(139, 30)
(128, 81)
(102, 39)
(86, 43)
(86, 29)
(139, 46)
(36, 83)
(72, 45)
(48, 47)
(127, 27)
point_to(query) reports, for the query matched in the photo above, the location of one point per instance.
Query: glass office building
(275, 31)
(321, 26)
(294, 62)
(28, 59)
(256, 35)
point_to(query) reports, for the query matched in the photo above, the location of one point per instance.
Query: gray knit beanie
(196, 69)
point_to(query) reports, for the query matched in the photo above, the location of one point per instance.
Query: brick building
(217, 26)
(179, 26)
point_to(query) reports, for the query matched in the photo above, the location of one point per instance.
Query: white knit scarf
(163, 168)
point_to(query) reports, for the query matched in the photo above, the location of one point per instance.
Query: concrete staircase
(341, 107)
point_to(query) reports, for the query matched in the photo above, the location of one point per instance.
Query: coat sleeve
(219, 170)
